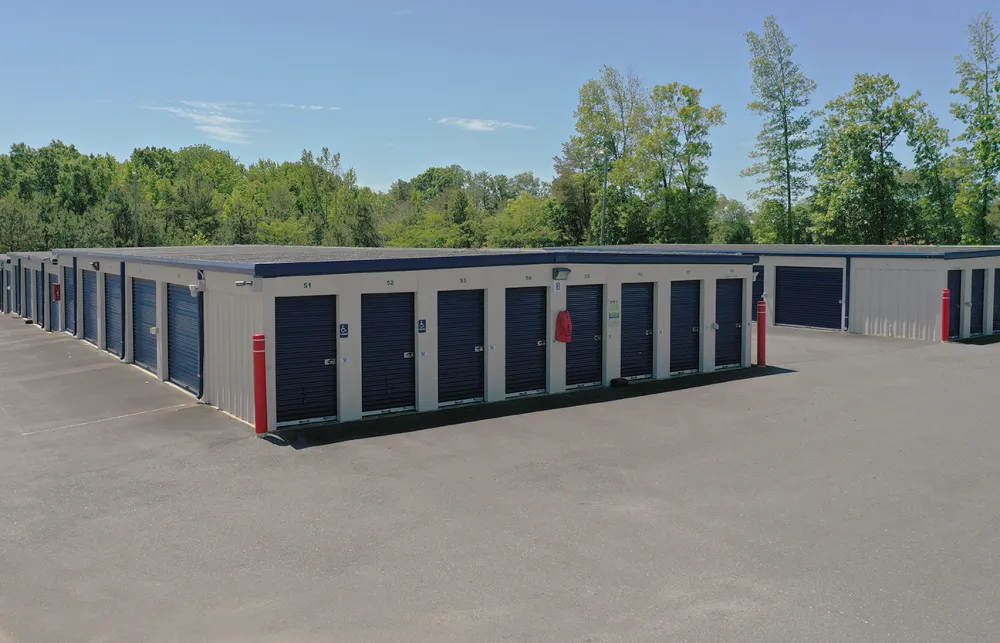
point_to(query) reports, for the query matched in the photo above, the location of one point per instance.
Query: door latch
(408, 355)
(540, 342)
(330, 362)
(479, 349)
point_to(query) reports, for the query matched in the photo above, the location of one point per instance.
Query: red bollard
(761, 333)
(259, 385)
(945, 315)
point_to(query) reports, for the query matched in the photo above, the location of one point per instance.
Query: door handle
(540, 342)
(479, 349)
(649, 331)
(597, 338)
(407, 355)
(694, 329)
(330, 362)
(739, 325)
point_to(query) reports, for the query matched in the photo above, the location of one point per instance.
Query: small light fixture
(96, 265)
(755, 275)
(560, 274)
(244, 282)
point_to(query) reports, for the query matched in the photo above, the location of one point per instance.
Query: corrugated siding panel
(806, 296)
(39, 298)
(69, 297)
(758, 290)
(685, 326)
(8, 288)
(996, 301)
(53, 305)
(114, 318)
(896, 302)
(461, 345)
(388, 345)
(525, 333)
(978, 298)
(230, 324)
(729, 317)
(184, 338)
(955, 314)
(143, 319)
(637, 330)
(27, 292)
(90, 306)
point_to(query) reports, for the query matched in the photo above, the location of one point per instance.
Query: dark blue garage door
(996, 301)
(39, 298)
(27, 293)
(388, 363)
(143, 320)
(955, 312)
(90, 306)
(758, 290)
(978, 302)
(53, 305)
(729, 317)
(808, 297)
(461, 344)
(7, 288)
(305, 349)
(184, 338)
(585, 354)
(685, 326)
(525, 337)
(69, 297)
(113, 318)
(637, 330)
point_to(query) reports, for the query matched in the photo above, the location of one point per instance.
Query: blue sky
(399, 86)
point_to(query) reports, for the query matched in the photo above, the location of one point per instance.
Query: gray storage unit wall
(114, 318)
(685, 326)
(461, 322)
(90, 306)
(388, 346)
(69, 298)
(977, 310)
(729, 317)
(526, 340)
(143, 323)
(955, 311)
(637, 330)
(39, 298)
(184, 338)
(758, 290)
(53, 304)
(807, 296)
(585, 354)
(305, 349)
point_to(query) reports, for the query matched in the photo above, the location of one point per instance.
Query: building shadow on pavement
(982, 340)
(331, 433)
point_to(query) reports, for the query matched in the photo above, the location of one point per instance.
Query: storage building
(33, 275)
(6, 296)
(893, 291)
(355, 332)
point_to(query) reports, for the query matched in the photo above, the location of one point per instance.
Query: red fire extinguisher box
(56, 292)
(564, 327)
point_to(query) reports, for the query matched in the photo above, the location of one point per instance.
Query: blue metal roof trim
(953, 254)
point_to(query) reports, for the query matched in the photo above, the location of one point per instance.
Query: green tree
(524, 223)
(781, 98)
(979, 153)
(731, 222)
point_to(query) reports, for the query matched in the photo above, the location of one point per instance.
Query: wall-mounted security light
(244, 282)
(96, 265)
(560, 274)
(755, 275)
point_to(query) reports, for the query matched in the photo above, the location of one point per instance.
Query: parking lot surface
(848, 495)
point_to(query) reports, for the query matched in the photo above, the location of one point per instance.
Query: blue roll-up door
(585, 354)
(809, 297)
(525, 337)
(144, 319)
(27, 293)
(69, 297)
(113, 318)
(637, 330)
(184, 338)
(53, 305)
(90, 306)
(461, 346)
(685, 326)
(955, 310)
(5, 298)
(305, 349)
(758, 290)
(729, 317)
(996, 301)
(388, 363)
(39, 298)
(978, 311)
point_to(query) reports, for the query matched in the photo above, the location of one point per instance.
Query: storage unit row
(352, 333)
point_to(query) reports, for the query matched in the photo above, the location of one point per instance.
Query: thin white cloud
(480, 124)
(210, 119)
(314, 108)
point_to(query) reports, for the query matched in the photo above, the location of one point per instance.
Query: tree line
(634, 171)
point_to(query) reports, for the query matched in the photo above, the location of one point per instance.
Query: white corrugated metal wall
(230, 323)
(897, 297)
